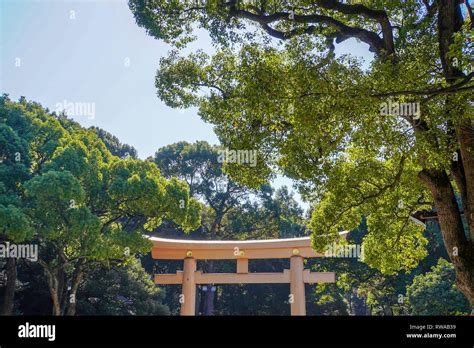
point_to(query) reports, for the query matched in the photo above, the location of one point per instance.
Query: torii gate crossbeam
(296, 249)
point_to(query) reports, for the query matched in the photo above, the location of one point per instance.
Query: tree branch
(358, 9)
(454, 88)
(376, 44)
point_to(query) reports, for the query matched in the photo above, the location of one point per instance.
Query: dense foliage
(381, 140)
(113, 282)
(65, 192)
(434, 293)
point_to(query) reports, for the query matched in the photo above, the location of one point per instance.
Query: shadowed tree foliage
(14, 223)
(85, 206)
(114, 145)
(434, 293)
(122, 290)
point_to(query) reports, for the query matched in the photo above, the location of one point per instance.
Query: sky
(57, 52)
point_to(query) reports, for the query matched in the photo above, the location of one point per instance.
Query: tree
(198, 164)
(365, 290)
(362, 289)
(381, 142)
(434, 293)
(15, 227)
(114, 145)
(86, 206)
(14, 223)
(272, 214)
(122, 290)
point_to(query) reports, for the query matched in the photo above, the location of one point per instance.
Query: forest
(86, 201)
(380, 146)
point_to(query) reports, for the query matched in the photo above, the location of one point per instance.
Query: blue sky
(83, 60)
(52, 51)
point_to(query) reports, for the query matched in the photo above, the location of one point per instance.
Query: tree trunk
(209, 297)
(459, 248)
(62, 289)
(76, 281)
(9, 295)
(358, 305)
(57, 283)
(53, 285)
(465, 136)
(54, 291)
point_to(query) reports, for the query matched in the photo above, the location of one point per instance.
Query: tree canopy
(381, 140)
(435, 293)
(77, 201)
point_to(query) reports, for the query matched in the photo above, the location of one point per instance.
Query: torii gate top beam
(179, 249)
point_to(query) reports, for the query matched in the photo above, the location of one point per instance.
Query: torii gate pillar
(297, 294)
(188, 296)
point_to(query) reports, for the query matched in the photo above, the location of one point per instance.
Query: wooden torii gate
(296, 249)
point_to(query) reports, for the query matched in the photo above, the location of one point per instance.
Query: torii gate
(296, 249)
